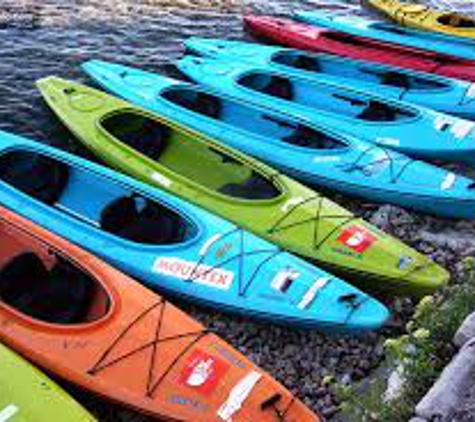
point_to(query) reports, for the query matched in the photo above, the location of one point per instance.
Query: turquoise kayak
(443, 94)
(172, 245)
(407, 128)
(391, 33)
(311, 153)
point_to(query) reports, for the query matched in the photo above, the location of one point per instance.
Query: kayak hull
(424, 18)
(103, 350)
(312, 38)
(446, 95)
(154, 92)
(28, 394)
(299, 219)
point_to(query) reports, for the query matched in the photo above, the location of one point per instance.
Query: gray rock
(444, 398)
(417, 419)
(466, 331)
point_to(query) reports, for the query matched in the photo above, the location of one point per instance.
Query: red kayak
(306, 37)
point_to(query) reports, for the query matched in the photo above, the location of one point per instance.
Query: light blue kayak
(172, 245)
(432, 91)
(408, 128)
(311, 153)
(388, 32)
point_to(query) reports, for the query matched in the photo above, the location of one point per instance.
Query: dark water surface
(41, 38)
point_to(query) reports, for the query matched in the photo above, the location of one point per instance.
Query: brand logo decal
(357, 239)
(203, 372)
(199, 273)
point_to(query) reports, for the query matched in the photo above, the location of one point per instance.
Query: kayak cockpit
(362, 72)
(93, 199)
(41, 283)
(327, 98)
(183, 153)
(456, 20)
(251, 119)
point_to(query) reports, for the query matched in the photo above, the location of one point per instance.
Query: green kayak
(26, 395)
(239, 188)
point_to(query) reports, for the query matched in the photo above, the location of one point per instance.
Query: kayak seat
(144, 135)
(395, 79)
(201, 102)
(154, 224)
(456, 20)
(255, 187)
(306, 63)
(305, 136)
(298, 61)
(377, 112)
(60, 295)
(273, 85)
(40, 177)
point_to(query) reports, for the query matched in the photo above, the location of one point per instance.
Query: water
(39, 39)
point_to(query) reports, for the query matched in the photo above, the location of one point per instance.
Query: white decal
(200, 373)
(442, 121)
(8, 412)
(160, 178)
(308, 297)
(448, 181)
(326, 159)
(238, 395)
(199, 273)
(470, 92)
(284, 279)
(462, 128)
(291, 203)
(388, 141)
(210, 242)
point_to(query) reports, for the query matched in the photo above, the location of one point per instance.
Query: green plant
(419, 355)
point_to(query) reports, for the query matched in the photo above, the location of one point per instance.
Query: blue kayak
(312, 153)
(407, 128)
(172, 245)
(432, 91)
(391, 33)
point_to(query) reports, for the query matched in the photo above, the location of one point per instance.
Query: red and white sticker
(187, 270)
(203, 372)
(357, 238)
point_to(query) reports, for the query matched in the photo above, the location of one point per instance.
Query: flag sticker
(357, 238)
(202, 372)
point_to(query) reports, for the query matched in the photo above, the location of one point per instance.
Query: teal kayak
(407, 128)
(311, 153)
(440, 93)
(391, 33)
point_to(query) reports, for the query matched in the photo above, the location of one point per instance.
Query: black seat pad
(60, 296)
(279, 87)
(256, 187)
(201, 102)
(154, 224)
(40, 177)
(305, 136)
(378, 112)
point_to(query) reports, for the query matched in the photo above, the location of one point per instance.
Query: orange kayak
(84, 321)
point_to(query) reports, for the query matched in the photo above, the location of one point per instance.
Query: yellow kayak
(423, 17)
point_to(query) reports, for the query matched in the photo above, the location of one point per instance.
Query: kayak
(28, 395)
(367, 28)
(91, 325)
(449, 23)
(174, 246)
(314, 154)
(407, 128)
(443, 94)
(324, 40)
(260, 200)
